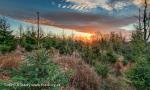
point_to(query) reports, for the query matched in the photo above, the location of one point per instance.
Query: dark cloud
(80, 19)
(84, 22)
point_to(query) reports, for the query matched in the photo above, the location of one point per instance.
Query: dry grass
(84, 77)
(10, 61)
(4, 76)
(7, 62)
(113, 83)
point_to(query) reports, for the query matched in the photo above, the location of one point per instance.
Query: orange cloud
(86, 29)
(42, 21)
(91, 29)
(140, 2)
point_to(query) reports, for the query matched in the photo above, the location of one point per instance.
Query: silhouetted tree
(144, 25)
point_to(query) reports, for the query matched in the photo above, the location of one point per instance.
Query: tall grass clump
(83, 77)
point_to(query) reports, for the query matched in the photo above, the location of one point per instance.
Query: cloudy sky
(86, 16)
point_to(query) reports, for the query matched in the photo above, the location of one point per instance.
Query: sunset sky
(80, 16)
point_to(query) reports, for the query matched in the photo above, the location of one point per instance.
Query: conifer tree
(7, 42)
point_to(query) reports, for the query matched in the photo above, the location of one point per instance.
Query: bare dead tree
(38, 30)
(144, 25)
(20, 30)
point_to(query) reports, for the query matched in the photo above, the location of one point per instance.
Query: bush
(111, 56)
(67, 46)
(117, 41)
(137, 45)
(38, 68)
(83, 76)
(48, 42)
(88, 55)
(4, 49)
(140, 75)
(112, 83)
(85, 79)
(29, 40)
(102, 70)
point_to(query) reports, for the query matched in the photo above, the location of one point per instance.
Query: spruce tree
(7, 40)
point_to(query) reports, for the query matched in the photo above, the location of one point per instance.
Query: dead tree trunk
(38, 30)
(145, 25)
